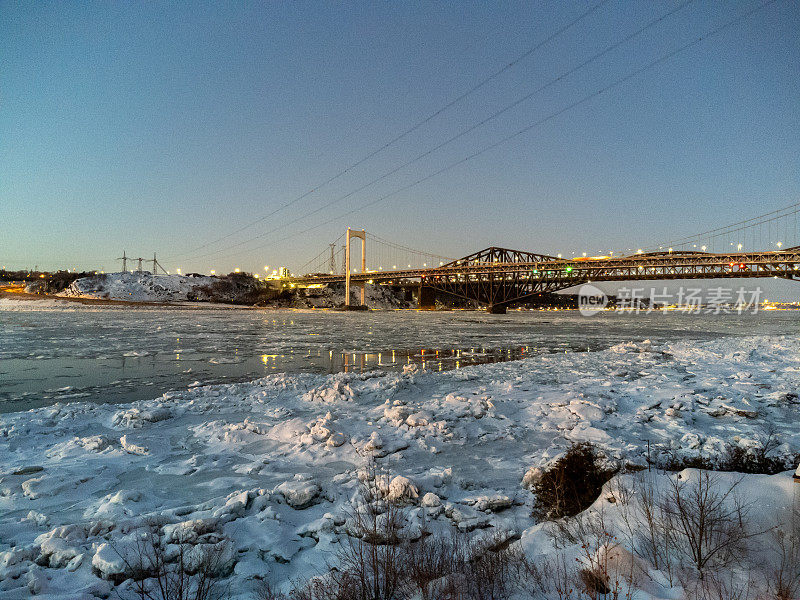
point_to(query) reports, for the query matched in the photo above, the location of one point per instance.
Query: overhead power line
(406, 132)
(616, 83)
(464, 132)
(726, 228)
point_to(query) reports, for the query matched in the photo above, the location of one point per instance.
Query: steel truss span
(498, 277)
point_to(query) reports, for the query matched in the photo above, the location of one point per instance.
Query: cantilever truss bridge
(499, 277)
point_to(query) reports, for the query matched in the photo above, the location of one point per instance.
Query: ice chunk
(299, 494)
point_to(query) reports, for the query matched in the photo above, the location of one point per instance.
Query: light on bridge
(213, 272)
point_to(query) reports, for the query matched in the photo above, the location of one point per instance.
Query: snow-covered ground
(146, 287)
(138, 287)
(273, 464)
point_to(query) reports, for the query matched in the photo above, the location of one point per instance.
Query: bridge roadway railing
(653, 266)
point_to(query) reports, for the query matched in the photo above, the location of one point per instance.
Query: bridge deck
(654, 266)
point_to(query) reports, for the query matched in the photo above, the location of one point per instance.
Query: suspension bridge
(764, 246)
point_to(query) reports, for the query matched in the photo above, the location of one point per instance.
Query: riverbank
(270, 466)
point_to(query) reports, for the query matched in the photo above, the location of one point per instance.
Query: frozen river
(266, 471)
(108, 354)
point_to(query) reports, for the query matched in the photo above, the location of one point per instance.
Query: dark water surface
(111, 354)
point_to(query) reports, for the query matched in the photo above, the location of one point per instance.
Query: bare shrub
(369, 558)
(377, 562)
(708, 525)
(429, 560)
(715, 586)
(571, 484)
(783, 580)
(605, 568)
(185, 572)
(758, 459)
(487, 568)
(646, 527)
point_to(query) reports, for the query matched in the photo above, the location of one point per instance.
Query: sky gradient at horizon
(155, 127)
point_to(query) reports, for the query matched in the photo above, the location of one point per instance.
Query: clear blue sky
(158, 126)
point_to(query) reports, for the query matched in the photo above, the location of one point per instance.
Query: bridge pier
(496, 309)
(426, 298)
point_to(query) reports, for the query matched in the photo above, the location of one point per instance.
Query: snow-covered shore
(138, 287)
(242, 289)
(272, 464)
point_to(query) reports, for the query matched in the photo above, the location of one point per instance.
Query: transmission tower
(124, 259)
(157, 265)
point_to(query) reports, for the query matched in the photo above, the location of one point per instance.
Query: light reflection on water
(122, 355)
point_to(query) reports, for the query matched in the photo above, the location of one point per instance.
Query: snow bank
(145, 287)
(138, 287)
(272, 465)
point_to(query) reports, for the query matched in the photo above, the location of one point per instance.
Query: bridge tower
(362, 235)
(332, 264)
